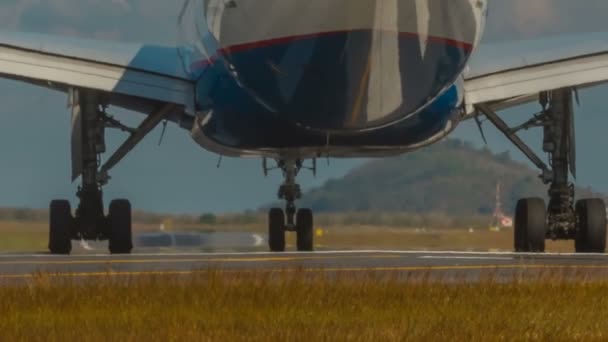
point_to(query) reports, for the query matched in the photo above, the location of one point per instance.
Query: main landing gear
(583, 221)
(89, 222)
(300, 221)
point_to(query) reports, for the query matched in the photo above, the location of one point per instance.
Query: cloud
(141, 20)
(521, 19)
(124, 4)
(155, 20)
(11, 12)
(533, 17)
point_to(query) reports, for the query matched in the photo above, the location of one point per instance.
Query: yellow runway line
(191, 260)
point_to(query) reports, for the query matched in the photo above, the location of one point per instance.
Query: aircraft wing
(129, 71)
(508, 74)
(146, 78)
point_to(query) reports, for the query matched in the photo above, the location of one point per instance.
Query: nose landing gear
(291, 219)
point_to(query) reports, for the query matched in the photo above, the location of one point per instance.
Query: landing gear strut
(89, 221)
(290, 219)
(563, 219)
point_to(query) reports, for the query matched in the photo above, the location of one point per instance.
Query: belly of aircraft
(342, 65)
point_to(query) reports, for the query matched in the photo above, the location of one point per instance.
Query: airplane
(291, 81)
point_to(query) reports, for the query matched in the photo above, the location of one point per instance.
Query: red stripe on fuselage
(468, 47)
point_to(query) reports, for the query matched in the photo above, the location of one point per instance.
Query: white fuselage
(335, 65)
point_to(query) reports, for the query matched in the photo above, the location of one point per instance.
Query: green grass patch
(26, 241)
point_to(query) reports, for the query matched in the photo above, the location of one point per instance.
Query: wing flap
(510, 73)
(534, 79)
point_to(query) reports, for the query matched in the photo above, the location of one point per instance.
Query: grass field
(369, 237)
(298, 306)
(23, 236)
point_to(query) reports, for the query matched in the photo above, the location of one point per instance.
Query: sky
(180, 177)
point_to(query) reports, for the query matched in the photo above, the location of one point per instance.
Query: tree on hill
(450, 177)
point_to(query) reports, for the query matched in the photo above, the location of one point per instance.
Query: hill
(451, 177)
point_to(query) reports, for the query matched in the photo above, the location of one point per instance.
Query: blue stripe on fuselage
(253, 111)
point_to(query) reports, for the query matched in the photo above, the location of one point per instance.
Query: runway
(444, 265)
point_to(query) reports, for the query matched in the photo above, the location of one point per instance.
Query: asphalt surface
(440, 265)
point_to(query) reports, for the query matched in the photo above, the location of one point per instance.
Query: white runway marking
(259, 240)
(85, 245)
(463, 257)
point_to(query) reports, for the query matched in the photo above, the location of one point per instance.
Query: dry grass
(298, 306)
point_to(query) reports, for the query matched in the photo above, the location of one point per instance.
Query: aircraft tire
(60, 222)
(530, 226)
(304, 230)
(119, 221)
(591, 237)
(276, 230)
